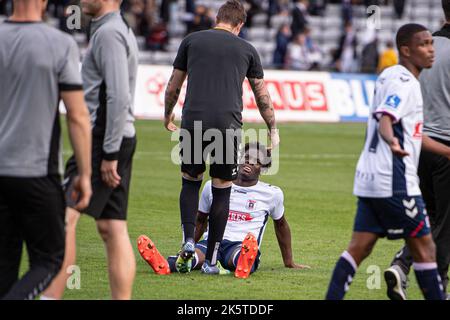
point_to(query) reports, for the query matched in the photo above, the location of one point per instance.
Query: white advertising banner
(296, 96)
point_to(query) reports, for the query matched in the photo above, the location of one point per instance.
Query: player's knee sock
(403, 259)
(342, 277)
(189, 206)
(218, 217)
(429, 280)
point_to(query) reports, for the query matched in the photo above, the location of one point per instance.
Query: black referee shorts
(106, 202)
(223, 152)
(32, 210)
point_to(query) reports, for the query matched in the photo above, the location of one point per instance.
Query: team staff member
(434, 169)
(216, 62)
(38, 65)
(109, 78)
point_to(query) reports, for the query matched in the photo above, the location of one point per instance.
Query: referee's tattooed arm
(263, 101)
(171, 97)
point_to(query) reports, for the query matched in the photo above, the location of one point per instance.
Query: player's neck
(245, 183)
(226, 27)
(412, 68)
(27, 12)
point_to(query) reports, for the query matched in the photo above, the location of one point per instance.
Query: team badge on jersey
(251, 205)
(393, 101)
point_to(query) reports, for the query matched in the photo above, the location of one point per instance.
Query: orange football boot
(151, 255)
(247, 258)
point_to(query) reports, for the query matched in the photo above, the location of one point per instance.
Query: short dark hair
(446, 8)
(232, 12)
(266, 161)
(406, 33)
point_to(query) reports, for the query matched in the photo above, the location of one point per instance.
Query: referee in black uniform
(216, 63)
(434, 170)
(38, 65)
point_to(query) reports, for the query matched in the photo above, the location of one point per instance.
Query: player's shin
(343, 274)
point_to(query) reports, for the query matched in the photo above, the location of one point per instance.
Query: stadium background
(317, 156)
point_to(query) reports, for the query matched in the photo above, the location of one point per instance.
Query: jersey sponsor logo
(251, 205)
(239, 216)
(393, 101)
(418, 129)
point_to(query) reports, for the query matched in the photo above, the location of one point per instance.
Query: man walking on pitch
(38, 65)
(216, 62)
(434, 169)
(109, 78)
(386, 182)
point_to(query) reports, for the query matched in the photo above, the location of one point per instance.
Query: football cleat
(249, 252)
(207, 268)
(397, 282)
(184, 259)
(151, 255)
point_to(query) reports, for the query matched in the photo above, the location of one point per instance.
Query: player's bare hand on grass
(82, 192)
(397, 149)
(109, 173)
(274, 138)
(168, 123)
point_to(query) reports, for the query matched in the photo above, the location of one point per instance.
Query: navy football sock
(342, 277)
(189, 207)
(429, 280)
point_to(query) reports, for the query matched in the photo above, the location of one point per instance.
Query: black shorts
(106, 202)
(195, 147)
(31, 210)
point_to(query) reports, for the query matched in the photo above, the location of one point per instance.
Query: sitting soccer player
(251, 204)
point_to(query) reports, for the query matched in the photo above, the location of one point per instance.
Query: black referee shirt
(216, 62)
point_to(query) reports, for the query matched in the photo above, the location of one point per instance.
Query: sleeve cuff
(111, 156)
(182, 68)
(378, 114)
(70, 87)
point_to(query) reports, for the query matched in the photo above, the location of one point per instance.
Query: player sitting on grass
(251, 204)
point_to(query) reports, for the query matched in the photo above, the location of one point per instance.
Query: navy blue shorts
(397, 217)
(226, 250)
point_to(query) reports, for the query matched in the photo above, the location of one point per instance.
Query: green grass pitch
(317, 163)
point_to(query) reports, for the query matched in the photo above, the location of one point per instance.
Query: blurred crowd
(295, 48)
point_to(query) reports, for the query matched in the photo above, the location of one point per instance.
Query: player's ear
(405, 51)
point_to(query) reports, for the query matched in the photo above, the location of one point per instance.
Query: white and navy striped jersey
(379, 173)
(250, 209)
